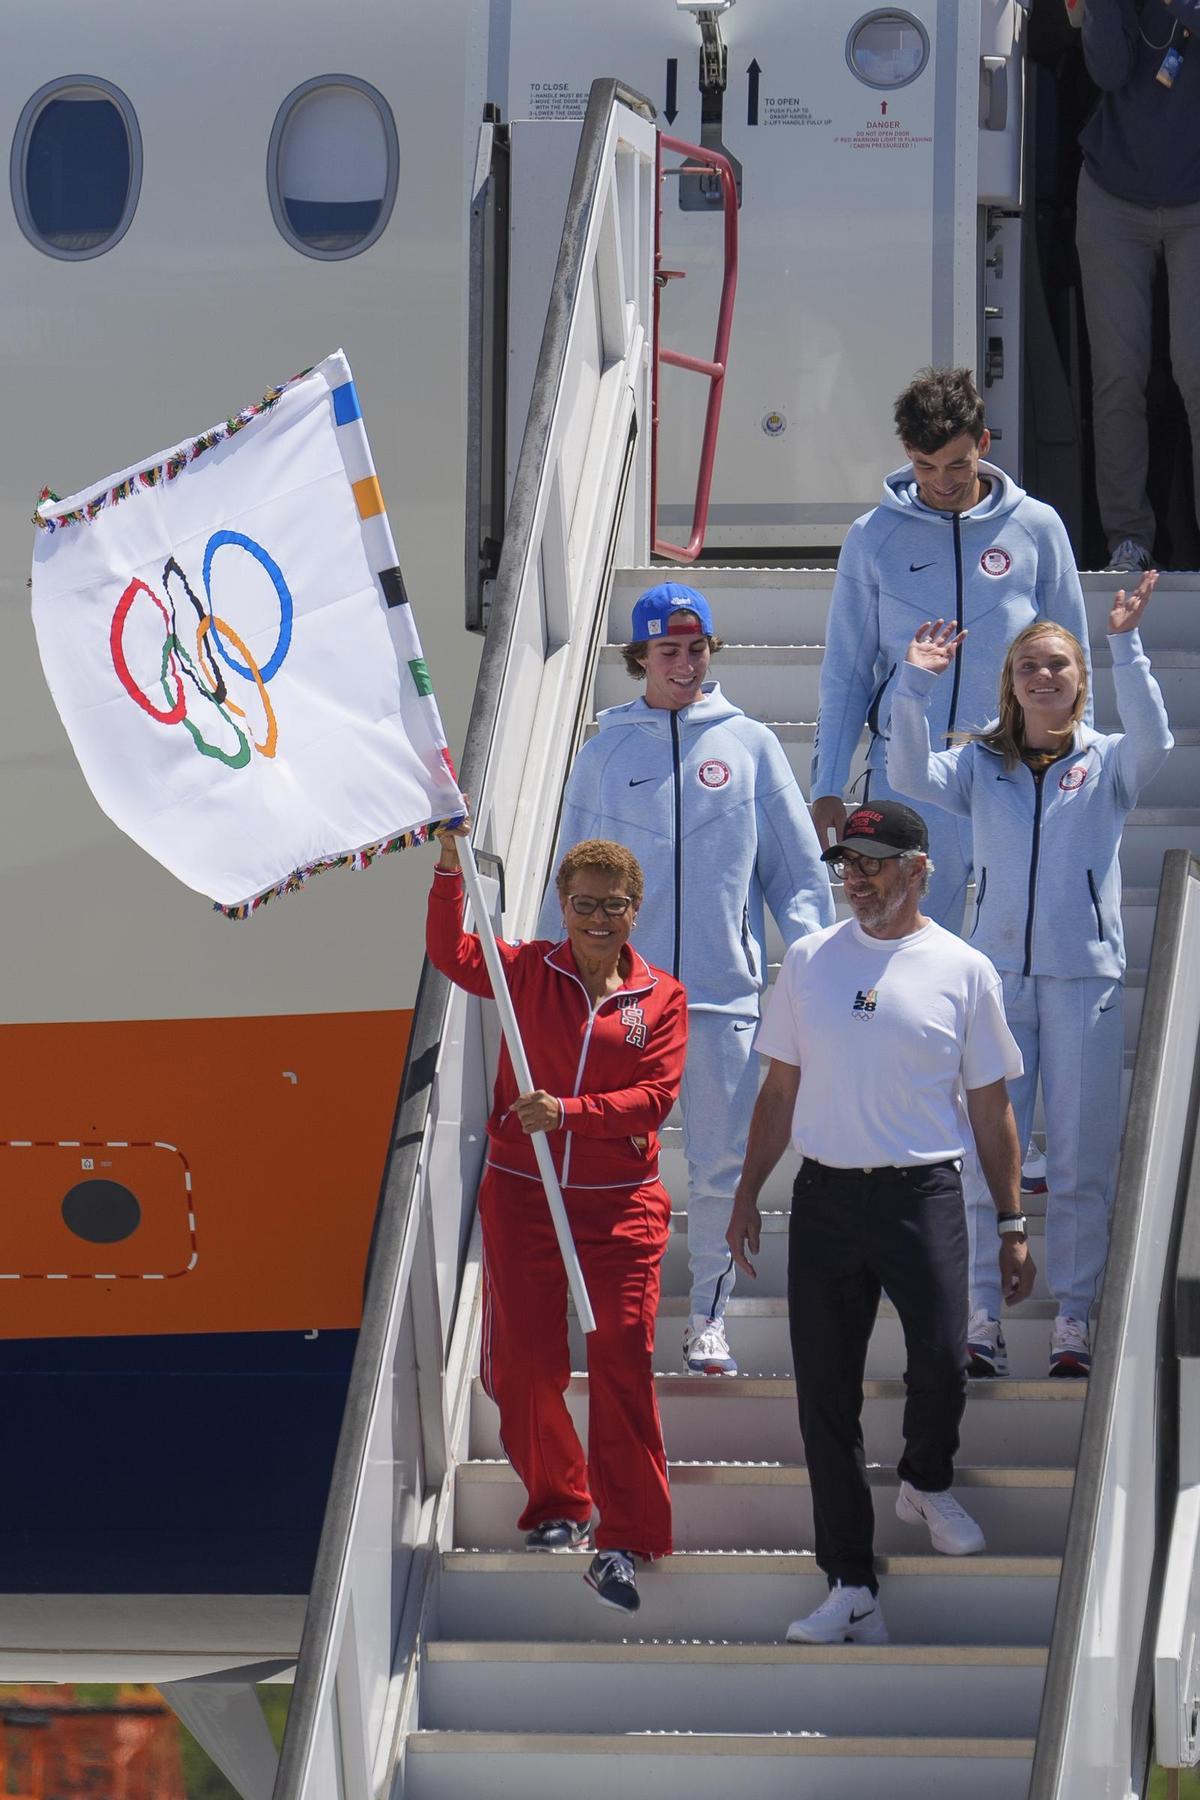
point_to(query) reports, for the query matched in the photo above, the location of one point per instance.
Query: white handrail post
(520, 1063)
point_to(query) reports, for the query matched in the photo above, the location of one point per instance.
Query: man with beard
(886, 1034)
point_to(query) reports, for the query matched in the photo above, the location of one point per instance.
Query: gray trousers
(1119, 246)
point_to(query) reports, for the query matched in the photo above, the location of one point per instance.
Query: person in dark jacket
(606, 1036)
(1139, 205)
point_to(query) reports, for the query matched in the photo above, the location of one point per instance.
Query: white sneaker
(1033, 1172)
(951, 1530)
(705, 1351)
(987, 1353)
(1129, 555)
(848, 1615)
(1070, 1348)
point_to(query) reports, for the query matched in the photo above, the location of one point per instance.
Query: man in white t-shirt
(889, 1053)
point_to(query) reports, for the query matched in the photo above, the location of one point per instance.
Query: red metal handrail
(714, 369)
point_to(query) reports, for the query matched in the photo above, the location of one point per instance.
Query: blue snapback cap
(652, 613)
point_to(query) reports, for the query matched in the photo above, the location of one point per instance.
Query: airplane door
(858, 132)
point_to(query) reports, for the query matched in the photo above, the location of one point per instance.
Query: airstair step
(1028, 1423)
(747, 1596)
(836, 1689)
(781, 681)
(758, 1334)
(1176, 784)
(768, 1506)
(781, 605)
(771, 1262)
(529, 1766)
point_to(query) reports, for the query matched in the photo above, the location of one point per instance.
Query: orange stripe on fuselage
(254, 1149)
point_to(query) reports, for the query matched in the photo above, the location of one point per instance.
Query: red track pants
(620, 1234)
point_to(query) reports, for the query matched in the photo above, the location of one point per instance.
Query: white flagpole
(520, 1062)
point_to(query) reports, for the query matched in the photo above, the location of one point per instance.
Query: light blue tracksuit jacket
(1048, 914)
(993, 570)
(707, 802)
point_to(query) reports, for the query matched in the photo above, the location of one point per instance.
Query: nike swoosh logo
(1109, 1007)
(857, 1618)
(641, 780)
(913, 567)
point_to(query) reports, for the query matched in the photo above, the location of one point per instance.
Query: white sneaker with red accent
(705, 1350)
(1070, 1348)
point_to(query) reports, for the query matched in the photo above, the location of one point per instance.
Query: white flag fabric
(226, 635)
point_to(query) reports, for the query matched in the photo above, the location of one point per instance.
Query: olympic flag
(226, 635)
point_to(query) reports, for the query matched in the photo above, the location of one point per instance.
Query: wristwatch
(1014, 1222)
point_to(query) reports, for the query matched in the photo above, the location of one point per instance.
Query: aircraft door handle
(993, 93)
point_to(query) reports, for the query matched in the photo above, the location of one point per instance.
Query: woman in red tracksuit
(605, 1035)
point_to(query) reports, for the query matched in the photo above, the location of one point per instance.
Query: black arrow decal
(754, 71)
(670, 110)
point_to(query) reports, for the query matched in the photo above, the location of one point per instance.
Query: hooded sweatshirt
(994, 570)
(707, 802)
(1047, 848)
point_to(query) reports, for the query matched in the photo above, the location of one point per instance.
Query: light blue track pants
(1071, 1033)
(949, 852)
(720, 1086)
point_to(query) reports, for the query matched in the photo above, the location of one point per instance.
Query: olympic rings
(208, 623)
(205, 674)
(283, 642)
(236, 759)
(116, 635)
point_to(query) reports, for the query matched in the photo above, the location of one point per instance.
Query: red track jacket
(615, 1069)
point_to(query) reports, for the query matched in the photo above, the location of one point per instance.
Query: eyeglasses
(615, 906)
(866, 866)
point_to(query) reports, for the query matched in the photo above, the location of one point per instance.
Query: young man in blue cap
(707, 802)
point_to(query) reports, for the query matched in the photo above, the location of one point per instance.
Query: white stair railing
(1094, 1735)
(583, 469)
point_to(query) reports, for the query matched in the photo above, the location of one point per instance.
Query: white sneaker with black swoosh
(848, 1615)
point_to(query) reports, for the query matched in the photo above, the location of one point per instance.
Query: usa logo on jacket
(995, 562)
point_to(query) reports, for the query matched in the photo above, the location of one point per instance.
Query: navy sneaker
(558, 1534)
(611, 1574)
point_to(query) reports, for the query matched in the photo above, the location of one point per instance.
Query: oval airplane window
(332, 166)
(887, 49)
(76, 167)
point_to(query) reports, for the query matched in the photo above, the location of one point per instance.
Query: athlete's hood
(711, 708)
(1003, 495)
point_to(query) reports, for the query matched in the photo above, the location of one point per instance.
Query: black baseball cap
(881, 828)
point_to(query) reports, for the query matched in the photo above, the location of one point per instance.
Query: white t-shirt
(887, 1032)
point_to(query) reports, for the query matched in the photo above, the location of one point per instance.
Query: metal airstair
(440, 1659)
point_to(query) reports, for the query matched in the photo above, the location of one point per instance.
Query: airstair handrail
(325, 1685)
(714, 368)
(1094, 1731)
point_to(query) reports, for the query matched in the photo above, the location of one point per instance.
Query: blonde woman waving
(1047, 798)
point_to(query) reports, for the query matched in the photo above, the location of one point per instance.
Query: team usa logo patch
(864, 1003)
(713, 774)
(995, 562)
(634, 1021)
(1073, 778)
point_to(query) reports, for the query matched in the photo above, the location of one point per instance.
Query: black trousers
(853, 1234)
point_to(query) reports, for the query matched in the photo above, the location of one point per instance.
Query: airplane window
(887, 49)
(76, 167)
(332, 166)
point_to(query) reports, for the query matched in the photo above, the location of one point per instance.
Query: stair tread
(687, 1650)
(695, 1743)
(564, 1563)
(682, 1385)
(714, 1473)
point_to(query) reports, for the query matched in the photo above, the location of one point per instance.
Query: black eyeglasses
(614, 907)
(866, 866)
